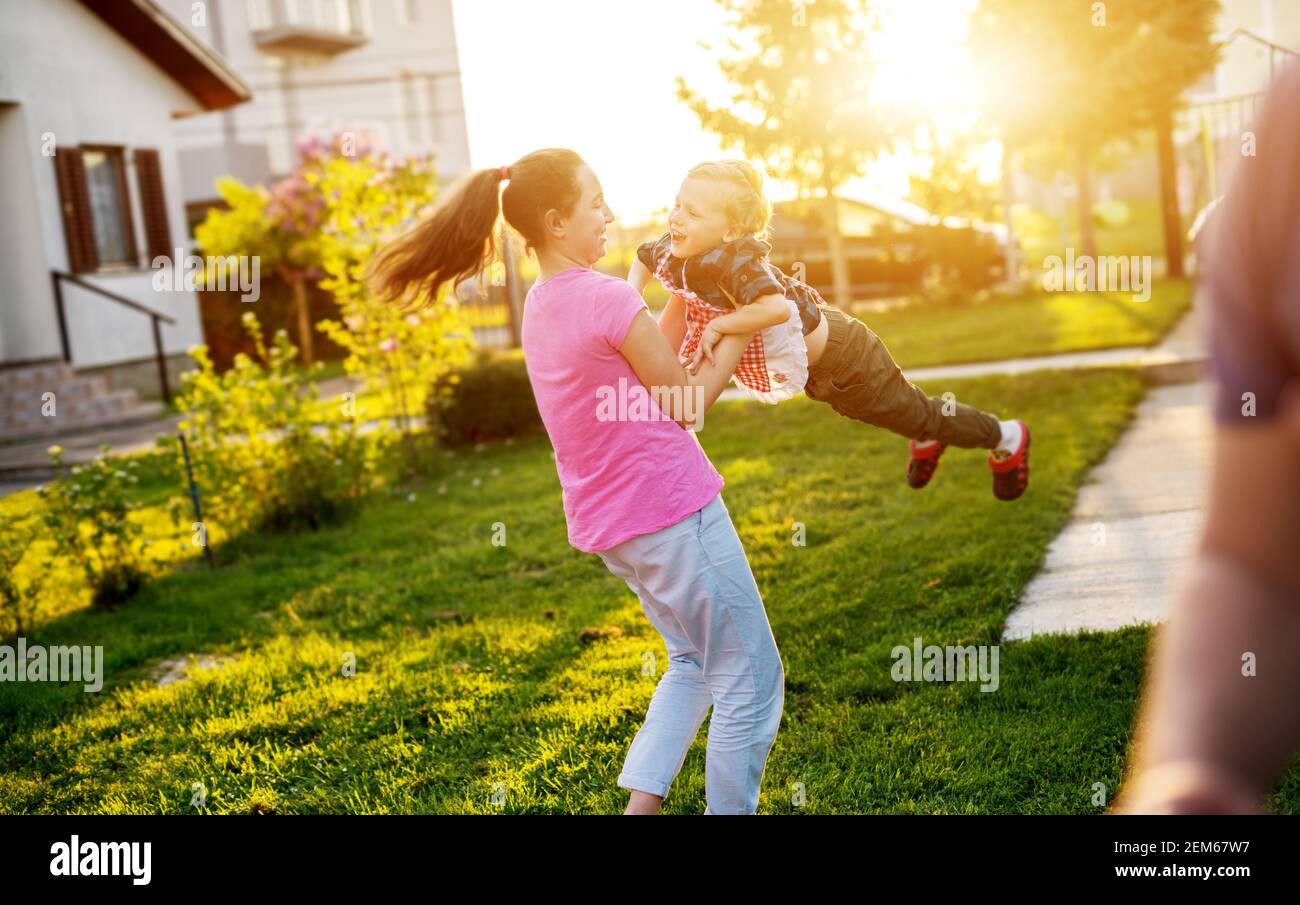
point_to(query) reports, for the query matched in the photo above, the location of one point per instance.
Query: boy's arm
(672, 321)
(755, 292)
(639, 275)
(766, 311)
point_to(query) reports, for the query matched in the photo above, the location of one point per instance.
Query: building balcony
(305, 39)
(325, 27)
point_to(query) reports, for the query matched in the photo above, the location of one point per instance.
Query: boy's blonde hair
(747, 209)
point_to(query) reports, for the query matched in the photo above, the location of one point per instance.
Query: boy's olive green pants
(858, 378)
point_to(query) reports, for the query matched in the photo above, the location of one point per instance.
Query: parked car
(893, 247)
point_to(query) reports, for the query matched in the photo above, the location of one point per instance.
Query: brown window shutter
(78, 228)
(157, 228)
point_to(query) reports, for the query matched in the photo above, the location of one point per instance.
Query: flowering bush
(87, 511)
(18, 597)
(323, 222)
(368, 199)
(257, 458)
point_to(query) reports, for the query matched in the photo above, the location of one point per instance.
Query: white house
(386, 68)
(90, 194)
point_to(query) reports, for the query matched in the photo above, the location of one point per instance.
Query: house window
(96, 206)
(110, 213)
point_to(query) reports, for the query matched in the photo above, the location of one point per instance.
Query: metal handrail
(1240, 32)
(1273, 49)
(57, 276)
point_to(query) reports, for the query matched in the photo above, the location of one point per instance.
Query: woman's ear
(553, 221)
(731, 235)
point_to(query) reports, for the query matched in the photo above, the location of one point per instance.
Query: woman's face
(698, 220)
(584, 228)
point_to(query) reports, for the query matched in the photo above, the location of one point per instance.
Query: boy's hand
(704, 351)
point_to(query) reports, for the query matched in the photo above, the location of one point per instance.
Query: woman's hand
(704, 351)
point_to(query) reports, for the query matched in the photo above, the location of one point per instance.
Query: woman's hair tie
(505, 172)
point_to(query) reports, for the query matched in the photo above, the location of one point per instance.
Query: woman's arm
(681, 396)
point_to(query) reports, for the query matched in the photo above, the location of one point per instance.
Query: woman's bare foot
(642, 803)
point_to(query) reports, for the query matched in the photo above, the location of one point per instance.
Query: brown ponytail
(458, 240)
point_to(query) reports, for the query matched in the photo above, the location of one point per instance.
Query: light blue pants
(696, 588)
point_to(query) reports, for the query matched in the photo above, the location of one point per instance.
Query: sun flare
(923, 63)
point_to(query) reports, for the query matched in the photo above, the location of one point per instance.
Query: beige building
(383, 68)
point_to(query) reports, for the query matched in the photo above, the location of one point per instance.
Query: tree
(1047, 81)
(1069, 76)
(399, 350)
(950, 184)
(802, 101)
(1168, 51)
(280, 225)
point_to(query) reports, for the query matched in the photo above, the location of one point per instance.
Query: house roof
(153, 31)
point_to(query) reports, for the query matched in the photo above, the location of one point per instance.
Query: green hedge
(489, 399)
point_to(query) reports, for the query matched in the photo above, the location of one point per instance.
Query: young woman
(639, 492)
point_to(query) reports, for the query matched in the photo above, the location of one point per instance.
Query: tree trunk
(1164, 126)
(299, 285)
(1011, 261)
(835, 246)
(1083, 181)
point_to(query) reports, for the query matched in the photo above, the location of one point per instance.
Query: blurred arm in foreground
(1220, 719)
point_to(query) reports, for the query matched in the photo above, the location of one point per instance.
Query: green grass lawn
(1036, 323)
(472, 675)
(1134, 227)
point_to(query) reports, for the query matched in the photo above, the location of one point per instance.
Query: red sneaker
(1011, 470)
(923, 462)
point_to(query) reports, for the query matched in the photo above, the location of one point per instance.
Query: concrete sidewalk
(26, 464)
(1134, 526)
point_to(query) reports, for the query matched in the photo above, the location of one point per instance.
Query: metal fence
(1213, 135)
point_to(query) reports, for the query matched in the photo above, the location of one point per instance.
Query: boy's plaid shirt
(741, 268)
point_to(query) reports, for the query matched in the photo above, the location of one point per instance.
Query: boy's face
(698, 221)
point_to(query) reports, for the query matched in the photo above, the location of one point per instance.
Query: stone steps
(80, 402)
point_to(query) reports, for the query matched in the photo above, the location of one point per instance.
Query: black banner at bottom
(137, 855)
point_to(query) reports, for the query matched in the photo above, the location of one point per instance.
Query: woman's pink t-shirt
(620, 478)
